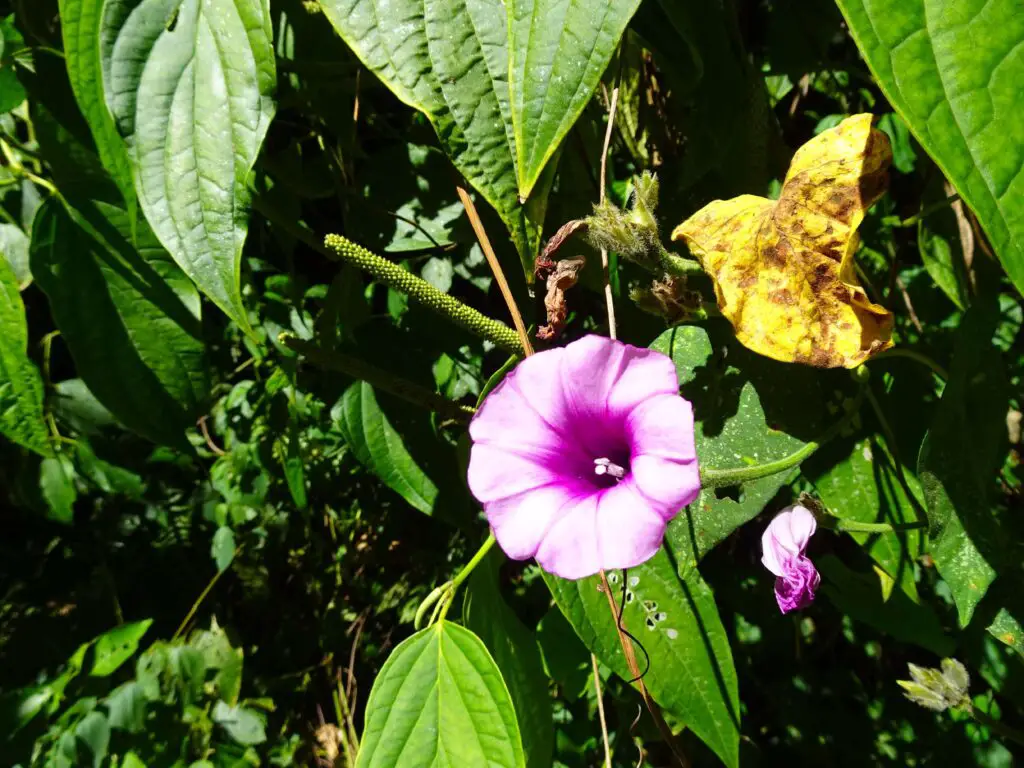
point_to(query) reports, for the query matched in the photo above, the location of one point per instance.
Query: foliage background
(182, 450)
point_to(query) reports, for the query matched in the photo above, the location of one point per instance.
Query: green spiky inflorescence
(424, 293)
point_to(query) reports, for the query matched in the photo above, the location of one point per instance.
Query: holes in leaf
(734, 492)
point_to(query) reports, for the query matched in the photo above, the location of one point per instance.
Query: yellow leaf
(783, 270)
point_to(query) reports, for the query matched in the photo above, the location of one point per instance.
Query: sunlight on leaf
(783, 270)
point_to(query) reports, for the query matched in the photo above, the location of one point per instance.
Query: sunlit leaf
(189, 84)
(783, 270)
(960, 96)
(692, 676)
(439, 702)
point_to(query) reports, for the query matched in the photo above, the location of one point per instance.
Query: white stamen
(605, 466)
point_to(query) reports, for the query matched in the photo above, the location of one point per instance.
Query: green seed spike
(421, 291)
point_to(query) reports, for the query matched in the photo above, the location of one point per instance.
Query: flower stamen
(605, 466)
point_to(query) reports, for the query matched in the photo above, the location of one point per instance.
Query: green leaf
(940, 242)
(960, 459)
(114, 648)
(566, 661)
(14, 249)
(379, 448)
(515, 651)
(692, 676)
(222, 550)
(450, 60)
(189, 85)
(129, 323)
(747, 410)
(1007, 629)
(127, 707)
(243, 725)
(94, 732)
(855, 593)
(559, 50)
(57, 486)
(439, 701)
(865, 486)
(81, 26)
(21, 388)
(962, 100)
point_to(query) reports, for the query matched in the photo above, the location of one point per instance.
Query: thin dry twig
(209, 440)
(612, 331)
(600, 713)
(499, 275)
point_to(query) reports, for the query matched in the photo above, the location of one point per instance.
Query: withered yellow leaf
(783, 270)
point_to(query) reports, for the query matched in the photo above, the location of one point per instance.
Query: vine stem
(499, 275)
(996, 725)
(462, 575)
(634, 670)
(919, 357)
(720, 478)
(855, 526)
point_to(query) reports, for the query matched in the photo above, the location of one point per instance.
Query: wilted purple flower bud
(783, 545)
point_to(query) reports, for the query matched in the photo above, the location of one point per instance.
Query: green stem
(912, 354)
(928, 210)
(464, 574)
(855, 526)
(677, 265)
(381, 379)
(999, 727)
(424, 293)
(720, 478)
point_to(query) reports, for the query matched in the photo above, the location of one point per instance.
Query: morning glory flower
(783, 545)
(582, 455)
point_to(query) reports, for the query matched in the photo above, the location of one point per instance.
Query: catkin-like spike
(421, 291)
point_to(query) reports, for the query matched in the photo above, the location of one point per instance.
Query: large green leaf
(439, 701)
(515, 651)
(960, 460)
(80, 25)
(559, 49)
(379, 447)
(953, 69)
(865, 486)
(449, 59)
(189, 85)
(692, 676)
(21, 389)
(129, 320)
(747, 410)
(114, 648)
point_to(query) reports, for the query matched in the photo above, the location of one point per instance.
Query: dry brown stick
(604, 175)
(600, 713)
(634, 670)
(485, 244)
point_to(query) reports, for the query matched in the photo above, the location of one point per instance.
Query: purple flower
(582, 455)
(783, 545)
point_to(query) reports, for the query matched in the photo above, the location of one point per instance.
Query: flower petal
(496, 473)
(521, 522)
(605, 377)
(506, 418)
(613, 528)
(662, 426)
(667, 486)
(786, 537)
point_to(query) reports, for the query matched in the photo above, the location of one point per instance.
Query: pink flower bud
(783, 545)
